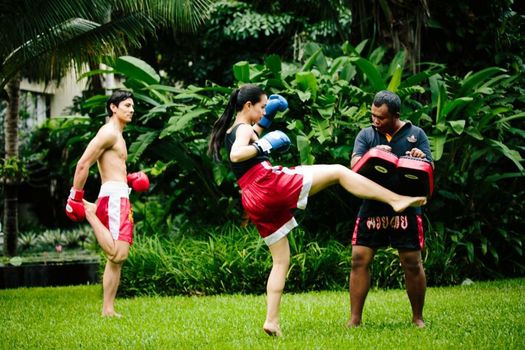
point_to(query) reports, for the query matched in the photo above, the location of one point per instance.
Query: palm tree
(44, 39)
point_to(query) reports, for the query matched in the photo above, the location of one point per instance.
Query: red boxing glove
(138, 181)
(75, 206)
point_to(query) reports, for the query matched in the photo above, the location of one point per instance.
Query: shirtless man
(111, 218)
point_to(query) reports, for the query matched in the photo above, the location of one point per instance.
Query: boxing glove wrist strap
(76, 195)
(258, 149)
(263, 146)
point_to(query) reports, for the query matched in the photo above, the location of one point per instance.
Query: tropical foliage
(42, 40)
(474, 122)
(45, 39)
(231, 259)
(81, 238)
(246, 30)
(469, 35)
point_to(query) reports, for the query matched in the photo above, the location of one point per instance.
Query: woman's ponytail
(247, 92)
(221, 125)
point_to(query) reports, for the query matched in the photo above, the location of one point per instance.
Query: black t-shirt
(408, 137)
(240, 168)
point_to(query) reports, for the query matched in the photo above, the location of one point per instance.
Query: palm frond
(42, 38)
(24, 20)
(74, 44)
(180, 14)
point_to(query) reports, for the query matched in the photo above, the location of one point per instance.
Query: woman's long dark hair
(248, 92)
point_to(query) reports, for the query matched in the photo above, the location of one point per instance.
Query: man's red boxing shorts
(269, 196)
(114, 210)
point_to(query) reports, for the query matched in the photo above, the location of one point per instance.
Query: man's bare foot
(272, 330)
(404, 202)
(111, 314)
(351, 324)
(90, 208)
(419, 323)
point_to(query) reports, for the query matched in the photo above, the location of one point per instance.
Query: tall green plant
(44, 40)
(478, 167)
(229, 259)
(475, 126)
(477, 135)
(169, 140)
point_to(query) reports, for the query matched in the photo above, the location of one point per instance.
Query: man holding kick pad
(377, 225)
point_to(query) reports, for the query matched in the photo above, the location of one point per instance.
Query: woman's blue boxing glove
(276, 103)
(274, 141)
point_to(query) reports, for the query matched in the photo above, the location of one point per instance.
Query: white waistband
(114, 188)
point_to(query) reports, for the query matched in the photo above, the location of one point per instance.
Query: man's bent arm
(94, 150)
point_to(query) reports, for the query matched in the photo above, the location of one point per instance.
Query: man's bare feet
(404, 202)
(272, 330)
(111, 314)
(419, 323)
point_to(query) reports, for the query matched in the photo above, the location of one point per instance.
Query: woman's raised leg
(325, 175)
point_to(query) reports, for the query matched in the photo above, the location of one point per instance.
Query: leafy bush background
(475, 125)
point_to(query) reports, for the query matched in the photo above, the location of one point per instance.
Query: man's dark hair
(390, 99)
(116, 97)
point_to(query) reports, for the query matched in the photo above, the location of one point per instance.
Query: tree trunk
(96, 80)
(395, 24)
(11, 151)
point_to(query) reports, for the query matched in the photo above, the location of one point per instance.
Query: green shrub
(233, 259)
(230, 260)
(47, 240)
(475, 126)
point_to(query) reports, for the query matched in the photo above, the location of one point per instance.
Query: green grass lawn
(489, 315)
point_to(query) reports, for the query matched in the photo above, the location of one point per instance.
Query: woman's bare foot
(272, 330)
(404, 202)
(418, 322)
(111, 314)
